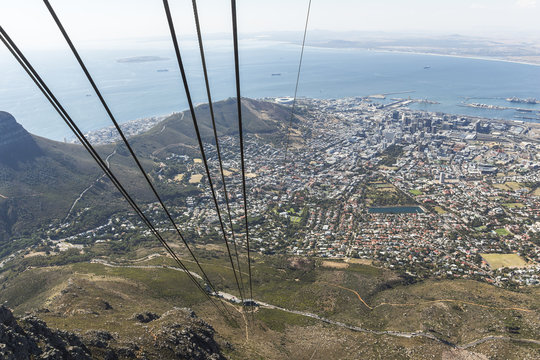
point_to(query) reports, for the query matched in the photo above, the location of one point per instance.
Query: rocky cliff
(30, 338)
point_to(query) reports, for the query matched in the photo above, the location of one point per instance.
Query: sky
(97, 21)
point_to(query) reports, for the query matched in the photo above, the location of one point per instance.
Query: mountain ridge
(40, 178)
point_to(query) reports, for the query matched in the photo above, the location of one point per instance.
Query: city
(425, 194)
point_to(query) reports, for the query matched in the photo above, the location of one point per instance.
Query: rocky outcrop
(31, 338)
(145, 317)
(187, 336)
(16, 144)
(177, 334)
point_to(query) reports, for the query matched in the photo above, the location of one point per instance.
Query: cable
(241, 136)
(124, 139)
(25, 64)
(211, 107)
(294, 104)
(199, 139)
(297, 78)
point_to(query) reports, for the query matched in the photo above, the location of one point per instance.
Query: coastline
(413, 52)
(473, 57)
(109, 135)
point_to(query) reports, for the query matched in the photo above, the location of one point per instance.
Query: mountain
(16, 144)
(177, 131)
(40, 179)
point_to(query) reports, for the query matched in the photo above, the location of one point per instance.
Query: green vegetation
(279, 320)
(381, 193)
(440, 210)
(391, 155)
(513, 205)
(503, 232)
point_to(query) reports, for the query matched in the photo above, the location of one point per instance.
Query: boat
(162, 70)
(276, 74)
(427, 67)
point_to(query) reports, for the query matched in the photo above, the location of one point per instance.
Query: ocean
(137, 90)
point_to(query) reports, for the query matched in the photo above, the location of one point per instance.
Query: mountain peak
(16, 144)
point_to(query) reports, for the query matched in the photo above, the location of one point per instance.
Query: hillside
(40, 179)
(176, 133)
(362, 311)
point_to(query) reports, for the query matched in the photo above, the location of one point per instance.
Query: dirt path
(429, 302)
(351, 290)
(91, 186)
(243, 316)
(104, 263)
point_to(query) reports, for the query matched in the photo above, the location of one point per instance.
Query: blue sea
(137, 89)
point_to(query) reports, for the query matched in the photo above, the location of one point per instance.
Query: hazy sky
(28, 21)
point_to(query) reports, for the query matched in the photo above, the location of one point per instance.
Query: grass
(440, 210)
(278, 320)
(295, 219)
(195, 178)
(509, 185)
(416, 192)
(501, 187)
(334, 265)
(514, 205)
(514, 185)
(503, 232)
(497, 261)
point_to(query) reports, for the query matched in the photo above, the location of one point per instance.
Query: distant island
(140, 59)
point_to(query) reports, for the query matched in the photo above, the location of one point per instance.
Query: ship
(276, 74)
(523, 101)
(162, 70)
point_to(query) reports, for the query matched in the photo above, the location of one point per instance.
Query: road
(88, 188)
(104, 263)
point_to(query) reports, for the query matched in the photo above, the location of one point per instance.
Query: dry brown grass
(360, 261)
(195, 178)
(334, 265)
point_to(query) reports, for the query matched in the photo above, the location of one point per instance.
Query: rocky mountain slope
(179, 335)
(31, 338)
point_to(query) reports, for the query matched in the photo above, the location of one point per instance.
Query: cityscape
(425, 194)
